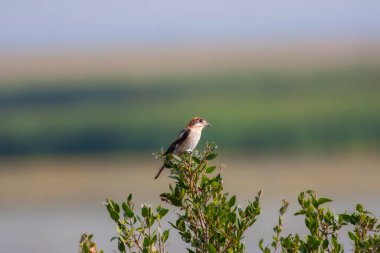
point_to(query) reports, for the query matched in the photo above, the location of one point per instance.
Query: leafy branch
(209, 220)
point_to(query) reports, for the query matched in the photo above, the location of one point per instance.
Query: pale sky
(69, 23)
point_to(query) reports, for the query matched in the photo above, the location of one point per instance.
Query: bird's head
(198, 123)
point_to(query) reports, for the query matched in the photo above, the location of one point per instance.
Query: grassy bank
(267, 111)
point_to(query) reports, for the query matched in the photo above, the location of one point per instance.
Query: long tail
(159, 172)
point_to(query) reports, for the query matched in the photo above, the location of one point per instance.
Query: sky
(27, 24)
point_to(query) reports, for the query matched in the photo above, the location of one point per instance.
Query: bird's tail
(159, 172)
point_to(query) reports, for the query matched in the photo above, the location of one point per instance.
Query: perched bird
(187, 139)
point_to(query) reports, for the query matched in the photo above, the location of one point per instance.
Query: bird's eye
(201, 120)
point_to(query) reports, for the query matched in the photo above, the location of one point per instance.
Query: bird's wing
(180, 139)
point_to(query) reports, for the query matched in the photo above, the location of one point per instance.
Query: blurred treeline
(266, 111)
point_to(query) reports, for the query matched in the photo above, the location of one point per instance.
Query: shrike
(187, 139)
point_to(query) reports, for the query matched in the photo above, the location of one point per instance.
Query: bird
(187, 139)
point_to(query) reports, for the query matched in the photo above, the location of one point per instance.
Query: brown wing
(180, 139)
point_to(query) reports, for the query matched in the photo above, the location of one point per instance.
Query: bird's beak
(208, 124)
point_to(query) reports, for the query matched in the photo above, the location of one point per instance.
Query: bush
(210, 220)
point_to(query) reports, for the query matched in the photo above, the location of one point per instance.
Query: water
(46, 204)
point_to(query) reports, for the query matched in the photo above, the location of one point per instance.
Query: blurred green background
(329, 108)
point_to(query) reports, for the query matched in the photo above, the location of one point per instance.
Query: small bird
(187, 139)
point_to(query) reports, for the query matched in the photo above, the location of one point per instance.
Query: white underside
(191, 141)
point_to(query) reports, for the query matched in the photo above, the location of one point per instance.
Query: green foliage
(366, 237)
(323, 226)
(209, 220)
(138, 232)
(86, 245)
(273, 110)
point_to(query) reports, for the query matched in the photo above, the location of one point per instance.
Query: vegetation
(210, 220)
(269, 111)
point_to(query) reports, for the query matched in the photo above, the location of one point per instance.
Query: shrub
(210, 220)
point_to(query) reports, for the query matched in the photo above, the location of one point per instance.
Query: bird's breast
(191, 141)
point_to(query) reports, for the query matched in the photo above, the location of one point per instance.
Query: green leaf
(153, 240)
(165, 235)
(144, 211)
(313, 242)
(352, 236)
(300, 212)
(232, 217)
(261, 244)
(211, 156)
(85, 248)
(345, 217)
(210, 169)
(211, 248)
(121, 246)
(180, 225)
(175, 201)
(301, 198)
(162, 212)
(113, 214)
(195, 159)
(314, 202)
(127, 210)
(111, 205)
(325, 243)
(323, 200)
(146, 241)
(232, 201)
(215, 184)
(359, 208)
